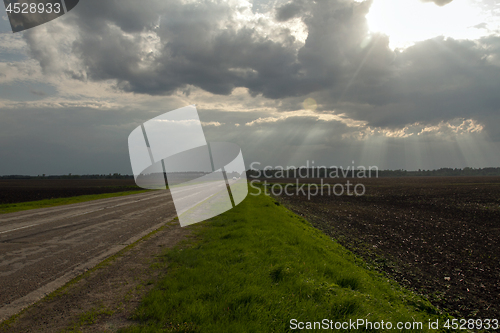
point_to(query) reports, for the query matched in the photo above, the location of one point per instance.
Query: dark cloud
(439, 2)
(60, 141)
(201, 45)
(435, 80)
(38, 92)
(347, 68)
(289, 10)
(129, 16)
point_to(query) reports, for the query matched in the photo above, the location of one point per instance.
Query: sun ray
(365, 58)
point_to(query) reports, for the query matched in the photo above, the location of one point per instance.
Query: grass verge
(17, 207)
(257, 267)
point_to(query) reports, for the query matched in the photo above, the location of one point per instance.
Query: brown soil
(437, 236)
(103, 299)
(22, 190)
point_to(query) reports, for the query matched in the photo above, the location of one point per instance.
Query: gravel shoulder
(103, 299)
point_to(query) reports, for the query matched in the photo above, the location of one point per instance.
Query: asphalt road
(200, 201)
(41, 250)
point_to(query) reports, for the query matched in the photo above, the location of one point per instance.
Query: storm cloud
(171, 45)
(249, 67)
(165, 46)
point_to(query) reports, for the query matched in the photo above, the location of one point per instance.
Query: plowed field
(15, 191)
(438, 236)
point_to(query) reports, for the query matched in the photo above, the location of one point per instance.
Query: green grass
(17, 207)
(89, 318)
(256, 267)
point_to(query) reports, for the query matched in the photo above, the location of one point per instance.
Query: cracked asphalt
(41, 250)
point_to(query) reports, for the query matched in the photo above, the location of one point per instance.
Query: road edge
(15, 308)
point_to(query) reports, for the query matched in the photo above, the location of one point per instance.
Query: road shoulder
(103, 298)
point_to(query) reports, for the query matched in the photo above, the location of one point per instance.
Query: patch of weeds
(90, 317)
(349, 282)
(277, 274)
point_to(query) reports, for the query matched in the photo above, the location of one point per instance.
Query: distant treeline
(70, 176)
(442, 172)
(305, 173)
(176, 176)
(369, 173)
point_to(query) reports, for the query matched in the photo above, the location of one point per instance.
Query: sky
(397, 84)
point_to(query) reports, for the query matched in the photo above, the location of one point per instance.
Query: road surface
(42, 249)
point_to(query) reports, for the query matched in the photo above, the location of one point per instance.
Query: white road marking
(121, 204)
(28, 226)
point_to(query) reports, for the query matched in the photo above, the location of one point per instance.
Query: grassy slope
(12, 208)
(254, 268)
